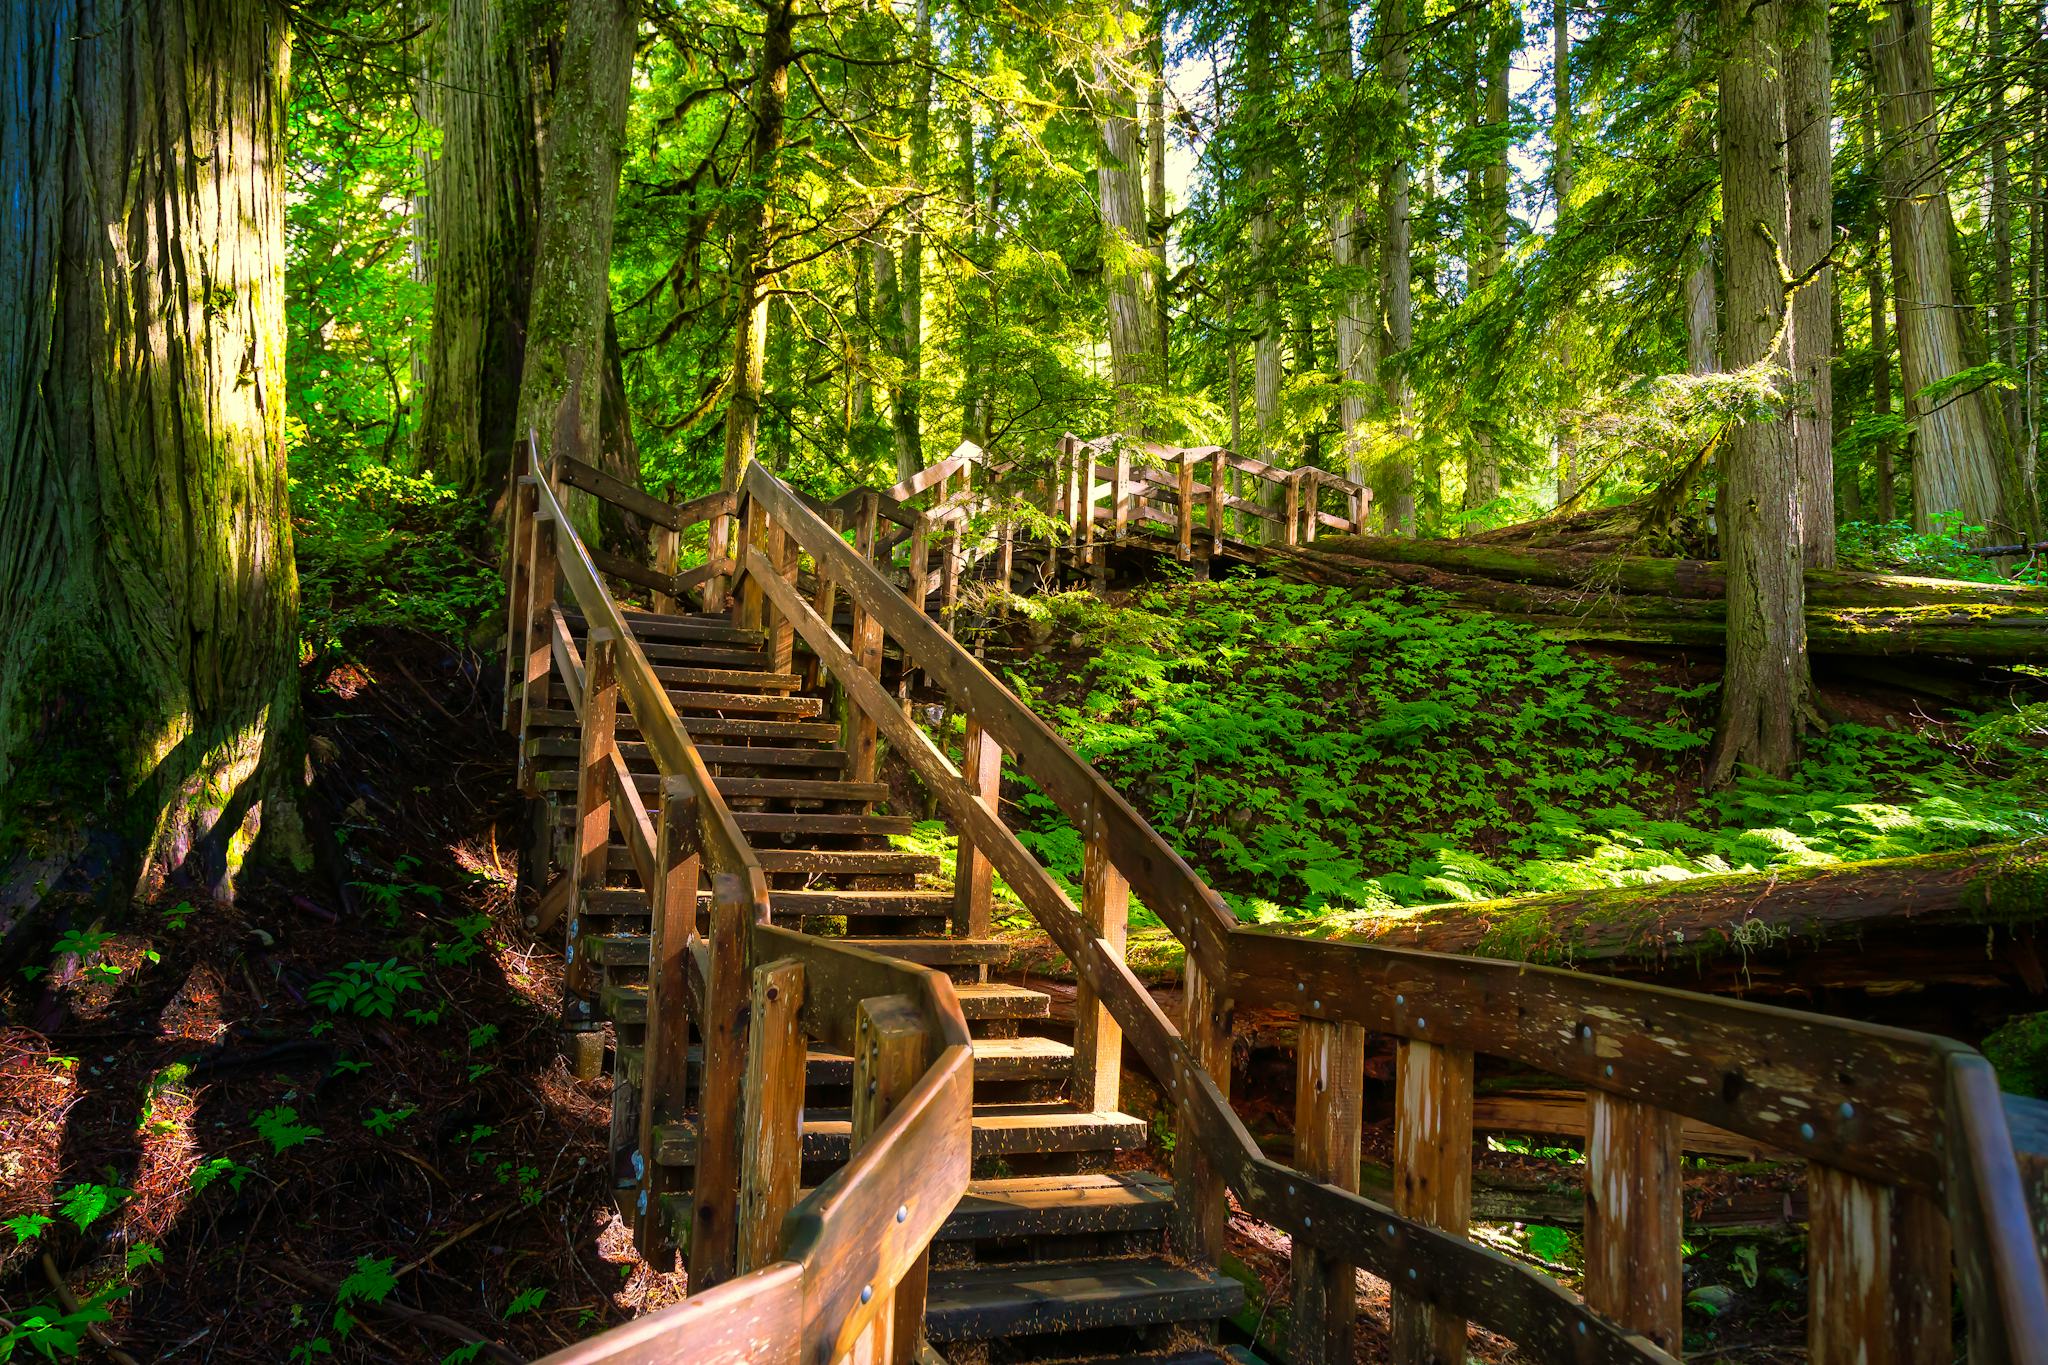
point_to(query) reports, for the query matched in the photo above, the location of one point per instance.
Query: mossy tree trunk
(481, 197)
(1356, 330)
(1764, 690)
(753, 271)
(149, 715)
(561, 391)
(1809, 154)
(1127, 264)
(1395, 489)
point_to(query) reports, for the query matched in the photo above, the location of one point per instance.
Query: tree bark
(1702, 321)
(1765, 686)
(1260, 79)
(1356, 330)
(561, 392)
(1126, 260)
(1561, 194)
(149, 712)
(1503, 37)
(1156, 219)
(1963, 462)
(482, 197)
(906, 401)
(1880, 345)
(1397, 483)
(2004, 309)
(752, 270)
(1809, 72)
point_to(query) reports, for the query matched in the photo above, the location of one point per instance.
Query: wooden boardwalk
(869, 1148)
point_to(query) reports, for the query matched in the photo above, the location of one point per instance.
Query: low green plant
(368, 989)
(281, 1128)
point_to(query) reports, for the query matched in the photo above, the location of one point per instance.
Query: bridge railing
(839, 1275)
(1911, 1169)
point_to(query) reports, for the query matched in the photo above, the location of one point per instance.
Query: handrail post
(973, 874)
(1290, 531)
(1329, 1114)
(1874, 1295)
(781, 634)
(1219, 470)
(714, 1223)
(664, 1054)
(826, 603)
(1199, 1210)
(1098, 1041)
(1635, 1216)
(597, 743)
(949, 573)
(665, 548)
(717, 546)
(773, 1153)
(1088, 551)
(865, 643)
(1312, 485)
(1120, 516)
(537, 688)
(1185, 485)
(889, 1056)
(519, 527)
(1432, 1181)
(751, 595)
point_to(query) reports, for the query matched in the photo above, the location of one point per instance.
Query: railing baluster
(717, 546)
(1199, 1210)
(1877, 1273)
(973, 874)
(1219, 470)
(664, 545)
(866, 645)
(781, 635)
(949, 574)
(1432, 1181)
(1098, 1041)
(537, 689)
(598, 741)
(889, 1055)
(774, 1110)
(1290, 531)
(715, 1207)
(1088, 551)
(1635, 1216)
(749, 608)
(1185, 472)
(518, 535)
(1329, 1115)
(665, 1053)
(826, 603)
(1312, 486)
(1120, 494)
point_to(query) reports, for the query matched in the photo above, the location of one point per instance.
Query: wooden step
(1001, 1000)
(728, 679)
(994, 1058)
(688, 704)
(623, 1004)
(819, 823)
(1055, 1205)
(987, 1302)
(662, 653)
(716, 629)
(630, 950)
(722, 756)
(626, 900)
(860, 862)
(798, 789)
(999, 1130)
(712, 727)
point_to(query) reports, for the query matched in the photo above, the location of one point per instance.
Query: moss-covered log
(148, 604)
(2001, 884)
(1637, 600)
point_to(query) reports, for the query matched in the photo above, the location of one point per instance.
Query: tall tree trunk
(1503, 36)
(1561, 194)
(1880, 344)
(1156, 220)
(149, 712)
(1397, 485)
(482, 196)
(1357, 358)
(753, 272)
(1765, 686)
(2004, 307)
(1809, 159)
(561, 393)
(1702, 323)
(907, 402)
(1963, 462)
(1126, 260)
(1260, 79)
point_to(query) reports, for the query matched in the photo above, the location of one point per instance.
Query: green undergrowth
(379, 548)
(1316, 751)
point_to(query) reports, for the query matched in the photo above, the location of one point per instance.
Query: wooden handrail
(1900, 1110)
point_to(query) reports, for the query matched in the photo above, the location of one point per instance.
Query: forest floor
(332, 1119)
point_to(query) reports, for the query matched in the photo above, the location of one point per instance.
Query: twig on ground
(92, 1329)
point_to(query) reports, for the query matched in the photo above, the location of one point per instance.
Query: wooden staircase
(1054, 1253)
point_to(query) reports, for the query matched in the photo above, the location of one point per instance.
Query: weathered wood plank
(1329, 1116)
(617, 492)
(1635, 1217)
(757, 1320)
(1849, 1271)
(1098, 1042)
(1432, 1183)
(973, 874)
(664, 1073)
(889, 1053)
(773, 1153)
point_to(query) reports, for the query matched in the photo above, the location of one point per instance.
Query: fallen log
(1736, 912)
(1678, 603)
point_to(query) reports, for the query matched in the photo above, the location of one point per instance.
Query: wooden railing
(839, 1275)
(1910, 1165)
